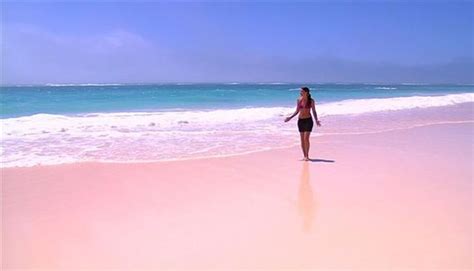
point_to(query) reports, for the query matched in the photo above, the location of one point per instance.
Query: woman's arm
(314, 113)
(296, 111)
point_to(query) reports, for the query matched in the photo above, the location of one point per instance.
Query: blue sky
(231, 41)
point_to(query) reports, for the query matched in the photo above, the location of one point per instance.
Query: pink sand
(399, 200)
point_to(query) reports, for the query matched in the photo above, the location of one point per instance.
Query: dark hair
(308, 102)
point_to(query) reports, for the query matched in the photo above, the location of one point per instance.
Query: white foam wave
(40, 125)
(386, 88)
(360, 106)
(152, 136)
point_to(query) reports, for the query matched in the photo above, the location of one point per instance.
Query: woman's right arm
(296, 111)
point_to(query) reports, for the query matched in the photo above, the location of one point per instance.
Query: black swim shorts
(305, 125)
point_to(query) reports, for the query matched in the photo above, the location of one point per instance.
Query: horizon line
(226, 83)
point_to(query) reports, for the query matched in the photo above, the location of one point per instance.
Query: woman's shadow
(321, 160)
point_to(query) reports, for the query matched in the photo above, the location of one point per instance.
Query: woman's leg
(303, 143)
(306, 140)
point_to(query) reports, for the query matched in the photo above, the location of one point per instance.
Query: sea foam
(170, 135)
(359, 106)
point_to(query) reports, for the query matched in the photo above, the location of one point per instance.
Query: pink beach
(393, 200)
(173, 135)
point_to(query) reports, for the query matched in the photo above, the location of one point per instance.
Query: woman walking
(304, 104)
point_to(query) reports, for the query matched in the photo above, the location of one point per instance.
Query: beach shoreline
(287, 137)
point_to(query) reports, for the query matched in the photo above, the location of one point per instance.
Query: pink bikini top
(303, 106)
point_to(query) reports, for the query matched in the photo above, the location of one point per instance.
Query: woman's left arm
(313, 106)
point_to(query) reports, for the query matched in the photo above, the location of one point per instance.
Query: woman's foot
(306, 159)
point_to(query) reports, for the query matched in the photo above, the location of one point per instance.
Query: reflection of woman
(305, 123)
(306, 199)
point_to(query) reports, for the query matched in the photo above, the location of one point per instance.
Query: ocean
(55, 124)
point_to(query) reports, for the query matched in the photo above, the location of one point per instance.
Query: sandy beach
(169, 135)
(392, 200)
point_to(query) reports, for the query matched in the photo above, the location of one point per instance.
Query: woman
(305, 123)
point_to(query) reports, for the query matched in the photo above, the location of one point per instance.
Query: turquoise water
(30, 100)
